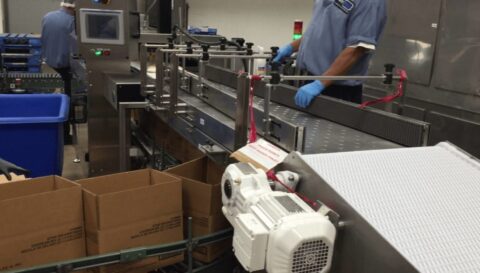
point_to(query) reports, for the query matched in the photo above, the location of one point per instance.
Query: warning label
(174, 222)
(71, 235)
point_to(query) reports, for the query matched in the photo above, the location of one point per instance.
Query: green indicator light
(297, 36)
(98, 53)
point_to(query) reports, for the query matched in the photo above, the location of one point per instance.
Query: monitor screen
(103, 26)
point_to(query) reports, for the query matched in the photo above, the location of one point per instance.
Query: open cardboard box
(42, 222)
(202, 201)
(15, 178)
(134, 209)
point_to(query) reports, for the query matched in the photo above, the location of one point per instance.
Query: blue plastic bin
(31, 131)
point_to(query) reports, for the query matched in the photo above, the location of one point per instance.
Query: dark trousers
(66, 74)
(344, 92)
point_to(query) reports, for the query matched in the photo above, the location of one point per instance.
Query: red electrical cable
(253, 138)
(398, 93)
(253, 126)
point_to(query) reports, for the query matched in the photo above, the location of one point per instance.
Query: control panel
(101, 52)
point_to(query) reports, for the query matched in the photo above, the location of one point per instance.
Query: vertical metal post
(241, 117)
(403, 99)
(190, 245)
(143, 69)
(122, 135)
(174, 83)
(75, 142)
(251, 66)
(266, 110)
(201, 76)
(160, 76)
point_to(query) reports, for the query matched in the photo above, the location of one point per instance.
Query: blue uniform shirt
(58, 38)
(336, 25)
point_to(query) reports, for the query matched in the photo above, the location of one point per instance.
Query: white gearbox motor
(274, 231)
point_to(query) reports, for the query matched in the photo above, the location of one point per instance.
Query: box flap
(26, 188)
(214, 173)
(195, 169)
(116, 182)
(197, 196)
(38, 204)
(202, 170)
(125, 198)
(261, 154)
(3, 179)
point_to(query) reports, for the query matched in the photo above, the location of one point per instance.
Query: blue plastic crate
(14, 39)
(31, 131)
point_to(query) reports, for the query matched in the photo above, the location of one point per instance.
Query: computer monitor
(102, 27)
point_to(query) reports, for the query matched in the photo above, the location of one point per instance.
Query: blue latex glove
(308, 92)
(283, 53)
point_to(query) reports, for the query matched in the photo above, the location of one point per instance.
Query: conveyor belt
(424, 203)
(322, 136)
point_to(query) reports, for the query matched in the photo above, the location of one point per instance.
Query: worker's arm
(296, 45)
(340, 67)
(344, 62)
(288, 50)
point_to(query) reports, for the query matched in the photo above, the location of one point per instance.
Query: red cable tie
(253, 126)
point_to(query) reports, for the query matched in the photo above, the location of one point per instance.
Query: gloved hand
(283, 53)
(6, 168)
(308, 92)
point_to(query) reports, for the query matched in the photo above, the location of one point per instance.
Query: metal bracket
(132, 255)
(332, 215)
(64, 268)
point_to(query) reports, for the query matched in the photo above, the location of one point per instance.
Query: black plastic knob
(223, 43)
(205, 55)
(239, 41)
(189, 47)
(389, 73)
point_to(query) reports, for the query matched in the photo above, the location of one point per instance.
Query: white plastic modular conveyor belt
(424, 201)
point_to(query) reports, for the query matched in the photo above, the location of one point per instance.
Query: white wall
(25, 16)
(264, 22)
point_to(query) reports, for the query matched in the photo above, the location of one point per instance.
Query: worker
(58, 43)
(339, 41)
(6, 168)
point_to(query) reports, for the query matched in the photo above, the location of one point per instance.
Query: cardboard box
(261, 154)
(202, 200)
(203, 224)
(133, 209)
(15, 178)
(42, 222)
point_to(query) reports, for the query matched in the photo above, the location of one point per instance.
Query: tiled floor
(76, 171)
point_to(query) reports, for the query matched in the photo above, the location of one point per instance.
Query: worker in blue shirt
(58, 41)
(340, 41)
